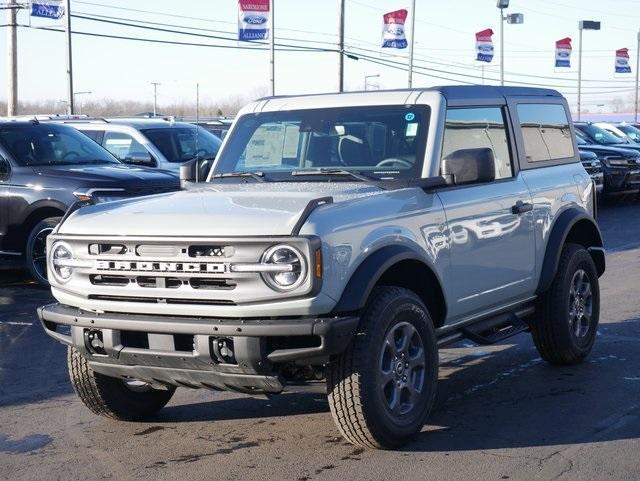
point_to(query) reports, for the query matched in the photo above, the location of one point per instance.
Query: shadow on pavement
(504, 399)
(617, 221)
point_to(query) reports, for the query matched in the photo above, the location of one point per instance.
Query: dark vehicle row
(616, 147)
(46, 167)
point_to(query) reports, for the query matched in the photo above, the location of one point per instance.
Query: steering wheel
(68, 155)
(394, 162)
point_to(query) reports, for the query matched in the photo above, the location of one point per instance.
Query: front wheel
(566, 328)
(36, 249)
(382, 388)
(111, 397)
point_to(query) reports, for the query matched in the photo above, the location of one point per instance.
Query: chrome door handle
(521, 207)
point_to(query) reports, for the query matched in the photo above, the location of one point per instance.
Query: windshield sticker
(410, 116)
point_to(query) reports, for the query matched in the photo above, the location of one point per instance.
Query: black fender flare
(368, 273)
(45, 203)
(557, 238)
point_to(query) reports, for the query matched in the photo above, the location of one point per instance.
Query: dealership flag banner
(253, 20)
(622, 61)
(393, 29)
(51, 9)
(563, 53)
(484, 46)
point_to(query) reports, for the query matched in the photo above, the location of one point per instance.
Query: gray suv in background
(343, 237)
(154, 142)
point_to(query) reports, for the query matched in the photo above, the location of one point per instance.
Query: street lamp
(367, 77)
(155, 97)
(635, 117)
(88, 92)
(583, 25)
(512, 18)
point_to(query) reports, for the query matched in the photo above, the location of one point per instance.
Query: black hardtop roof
(455, 93)
(461, 92)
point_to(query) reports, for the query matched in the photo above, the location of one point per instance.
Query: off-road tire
(552, 331)
(109, 396)
(45, 225)
(355, 394)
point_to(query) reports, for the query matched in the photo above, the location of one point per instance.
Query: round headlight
(294, 267)
(60, 253)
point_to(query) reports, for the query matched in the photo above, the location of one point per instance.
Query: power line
(174, 42)
(199, 19)
(126, 22)
(464, 75)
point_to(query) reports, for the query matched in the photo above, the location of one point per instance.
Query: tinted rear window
(546, 132)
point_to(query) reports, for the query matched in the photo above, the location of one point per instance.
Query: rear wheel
(382, 388)
(126, 400)
(36, 249)
(565, 331)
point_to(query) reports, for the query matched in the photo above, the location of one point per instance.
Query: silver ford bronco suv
(343, 237)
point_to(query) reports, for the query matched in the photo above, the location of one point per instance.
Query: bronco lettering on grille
(150, 266)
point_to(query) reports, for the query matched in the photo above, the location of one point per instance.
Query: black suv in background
(620, 166)
(44, 169)
(593, 166)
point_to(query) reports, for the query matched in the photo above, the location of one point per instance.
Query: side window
(546, 132)
(95, 135)
(122, 145)
(479, 127)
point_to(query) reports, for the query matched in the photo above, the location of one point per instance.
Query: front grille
(170, 273)
(152, 188)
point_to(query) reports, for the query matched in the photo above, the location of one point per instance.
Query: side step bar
(491, 330)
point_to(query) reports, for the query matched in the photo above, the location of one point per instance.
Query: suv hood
(605, 151)
(217, 210)
(105, 173)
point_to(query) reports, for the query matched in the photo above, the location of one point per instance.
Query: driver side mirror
(466, 166)
(4, 169)
(195, 170)
(144, 159)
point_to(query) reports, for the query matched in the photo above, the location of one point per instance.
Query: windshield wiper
(258, 176)
(335, 171)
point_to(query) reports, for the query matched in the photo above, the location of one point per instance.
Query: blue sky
(121, 69)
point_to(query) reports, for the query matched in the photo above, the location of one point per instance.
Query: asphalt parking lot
(501, 413)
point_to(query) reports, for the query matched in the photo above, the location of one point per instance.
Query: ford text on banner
(484, 46)
(393, 29)
(622, 61)
(47, 9)
(253, 19)
(563, 52)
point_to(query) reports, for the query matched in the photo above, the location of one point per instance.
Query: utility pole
(197, 103)
(67, 12)
(155, 97)
(501, 46)
(12, 59)
(341, 47)
(637, 77)
(579, 72)
(413, 36)
(583, 25)
(272, 47)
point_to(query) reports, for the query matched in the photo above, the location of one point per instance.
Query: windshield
(51, 144)
(382, 142)
(179, 144)
(600, 135)
(580, 140)
(632, 132)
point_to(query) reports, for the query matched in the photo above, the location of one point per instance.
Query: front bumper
(598, 180)
(622, 181)
(185, 351)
